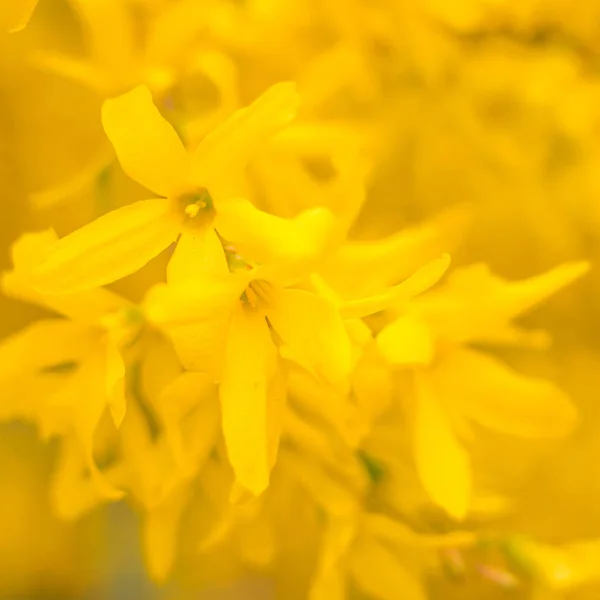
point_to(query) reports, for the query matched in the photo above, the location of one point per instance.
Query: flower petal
(382, 574)
(407, 341)
(110, 30)
(247, 367)
(196, 318)
(107, 249)
(497, 397)
(88, 306)
(35, 362)
(188, 393)
(148, 148)
(196, 257)
(475, 302)
(414, 285)
(15, 14)
(160, 530)
(313, 330)
(442, 463)
(224, 152)
(296, 243)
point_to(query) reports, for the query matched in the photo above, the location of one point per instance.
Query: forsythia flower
(453, 382)
(200, 191)
(249, 328)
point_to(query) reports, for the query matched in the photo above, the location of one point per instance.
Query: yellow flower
(49, 367)
(221, 323)
(454, 382)
(15, 14)
(199, 191)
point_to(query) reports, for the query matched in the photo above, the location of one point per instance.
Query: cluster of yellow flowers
(250, 328)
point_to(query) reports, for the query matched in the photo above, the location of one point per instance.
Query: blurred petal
(247, 366)
(475, 301)
(442, 463)
(381, 574)
(338, 499)
(15, 14)
(501, 399)
(86, 307)
(416, 284)
(148, 148)
(367, 267)
(224, 152)
(115, 384)
(406, 341)
(111, 36)
(313, 329)
(107, 249)
(160, 531)
(188, 393)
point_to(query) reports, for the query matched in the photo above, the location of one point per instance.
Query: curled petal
(297, 244)
(416, 284)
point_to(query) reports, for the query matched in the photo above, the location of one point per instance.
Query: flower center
(257, 294)
(197, 206)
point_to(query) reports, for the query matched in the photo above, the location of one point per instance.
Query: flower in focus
(197, 192)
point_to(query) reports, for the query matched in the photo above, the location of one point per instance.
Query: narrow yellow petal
(501, 399)
(15, 14)
(276, 403)
(381, 574)
(188, 393)
(88, 306)
(475, 302)
(197, 256)
(160, 534)
(243, 391)
(313, 330)
(221, 156)
(83, 399)
(442, 463)
(72, 492)
(115, 384)
(331, 579)
(109, 248)
(407, 341)
(338, 499)
(416, 284)
(368, 267)
(148, 148)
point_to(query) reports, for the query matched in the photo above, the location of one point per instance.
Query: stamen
(192, 210)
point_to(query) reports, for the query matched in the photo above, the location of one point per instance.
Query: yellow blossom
(454, 382)
(200, 191)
